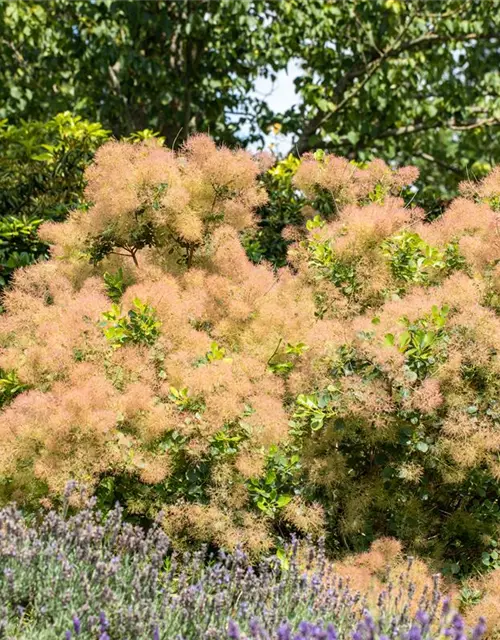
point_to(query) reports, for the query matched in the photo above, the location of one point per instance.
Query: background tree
(175, 66)
(399, 80)
(402, 80)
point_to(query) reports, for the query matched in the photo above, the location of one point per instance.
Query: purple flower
(415, 633)
(479, 629)
(331, 634)
(457, 622)
(77, 625)
(369, 621)
(422, 617)
(193, 594)
(369, 625)
(304, 628)
(233, 631)
(284, 632)
(103, 621)
(446, 607)
(254, 628)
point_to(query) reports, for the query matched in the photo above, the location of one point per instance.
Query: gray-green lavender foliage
(92, 576)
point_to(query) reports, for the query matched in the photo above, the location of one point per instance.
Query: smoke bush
(355, 391)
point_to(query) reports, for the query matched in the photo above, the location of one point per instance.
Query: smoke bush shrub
(89, 576)
(403, 422)
(42, 167)
(355, 391)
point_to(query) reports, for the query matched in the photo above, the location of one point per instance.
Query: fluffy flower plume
(145, 195)
(346, 182)
(170, 351)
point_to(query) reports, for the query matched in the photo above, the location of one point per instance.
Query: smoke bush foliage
(354, 391)
(89, 576)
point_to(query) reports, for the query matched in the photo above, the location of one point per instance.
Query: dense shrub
(41, 177)
(285, 207)
(355, 392)
(91, 577)
(400, 433)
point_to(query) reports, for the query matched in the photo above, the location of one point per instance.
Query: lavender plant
(88, 576)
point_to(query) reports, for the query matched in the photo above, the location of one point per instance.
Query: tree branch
(451, 124)
(447, 124)
(16, 51)
(439, 163)
(369, 69)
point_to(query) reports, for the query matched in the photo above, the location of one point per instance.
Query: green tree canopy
(413, 81)
(175, 66)
(406, 80)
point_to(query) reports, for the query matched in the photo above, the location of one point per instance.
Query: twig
(275, 351)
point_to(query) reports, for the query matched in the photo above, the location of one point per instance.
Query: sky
(280, 96)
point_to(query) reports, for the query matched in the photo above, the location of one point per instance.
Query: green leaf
(404, 339)
(283, 558)
(43, 157)
(389, 339)
(353, 137)
(283, 500)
